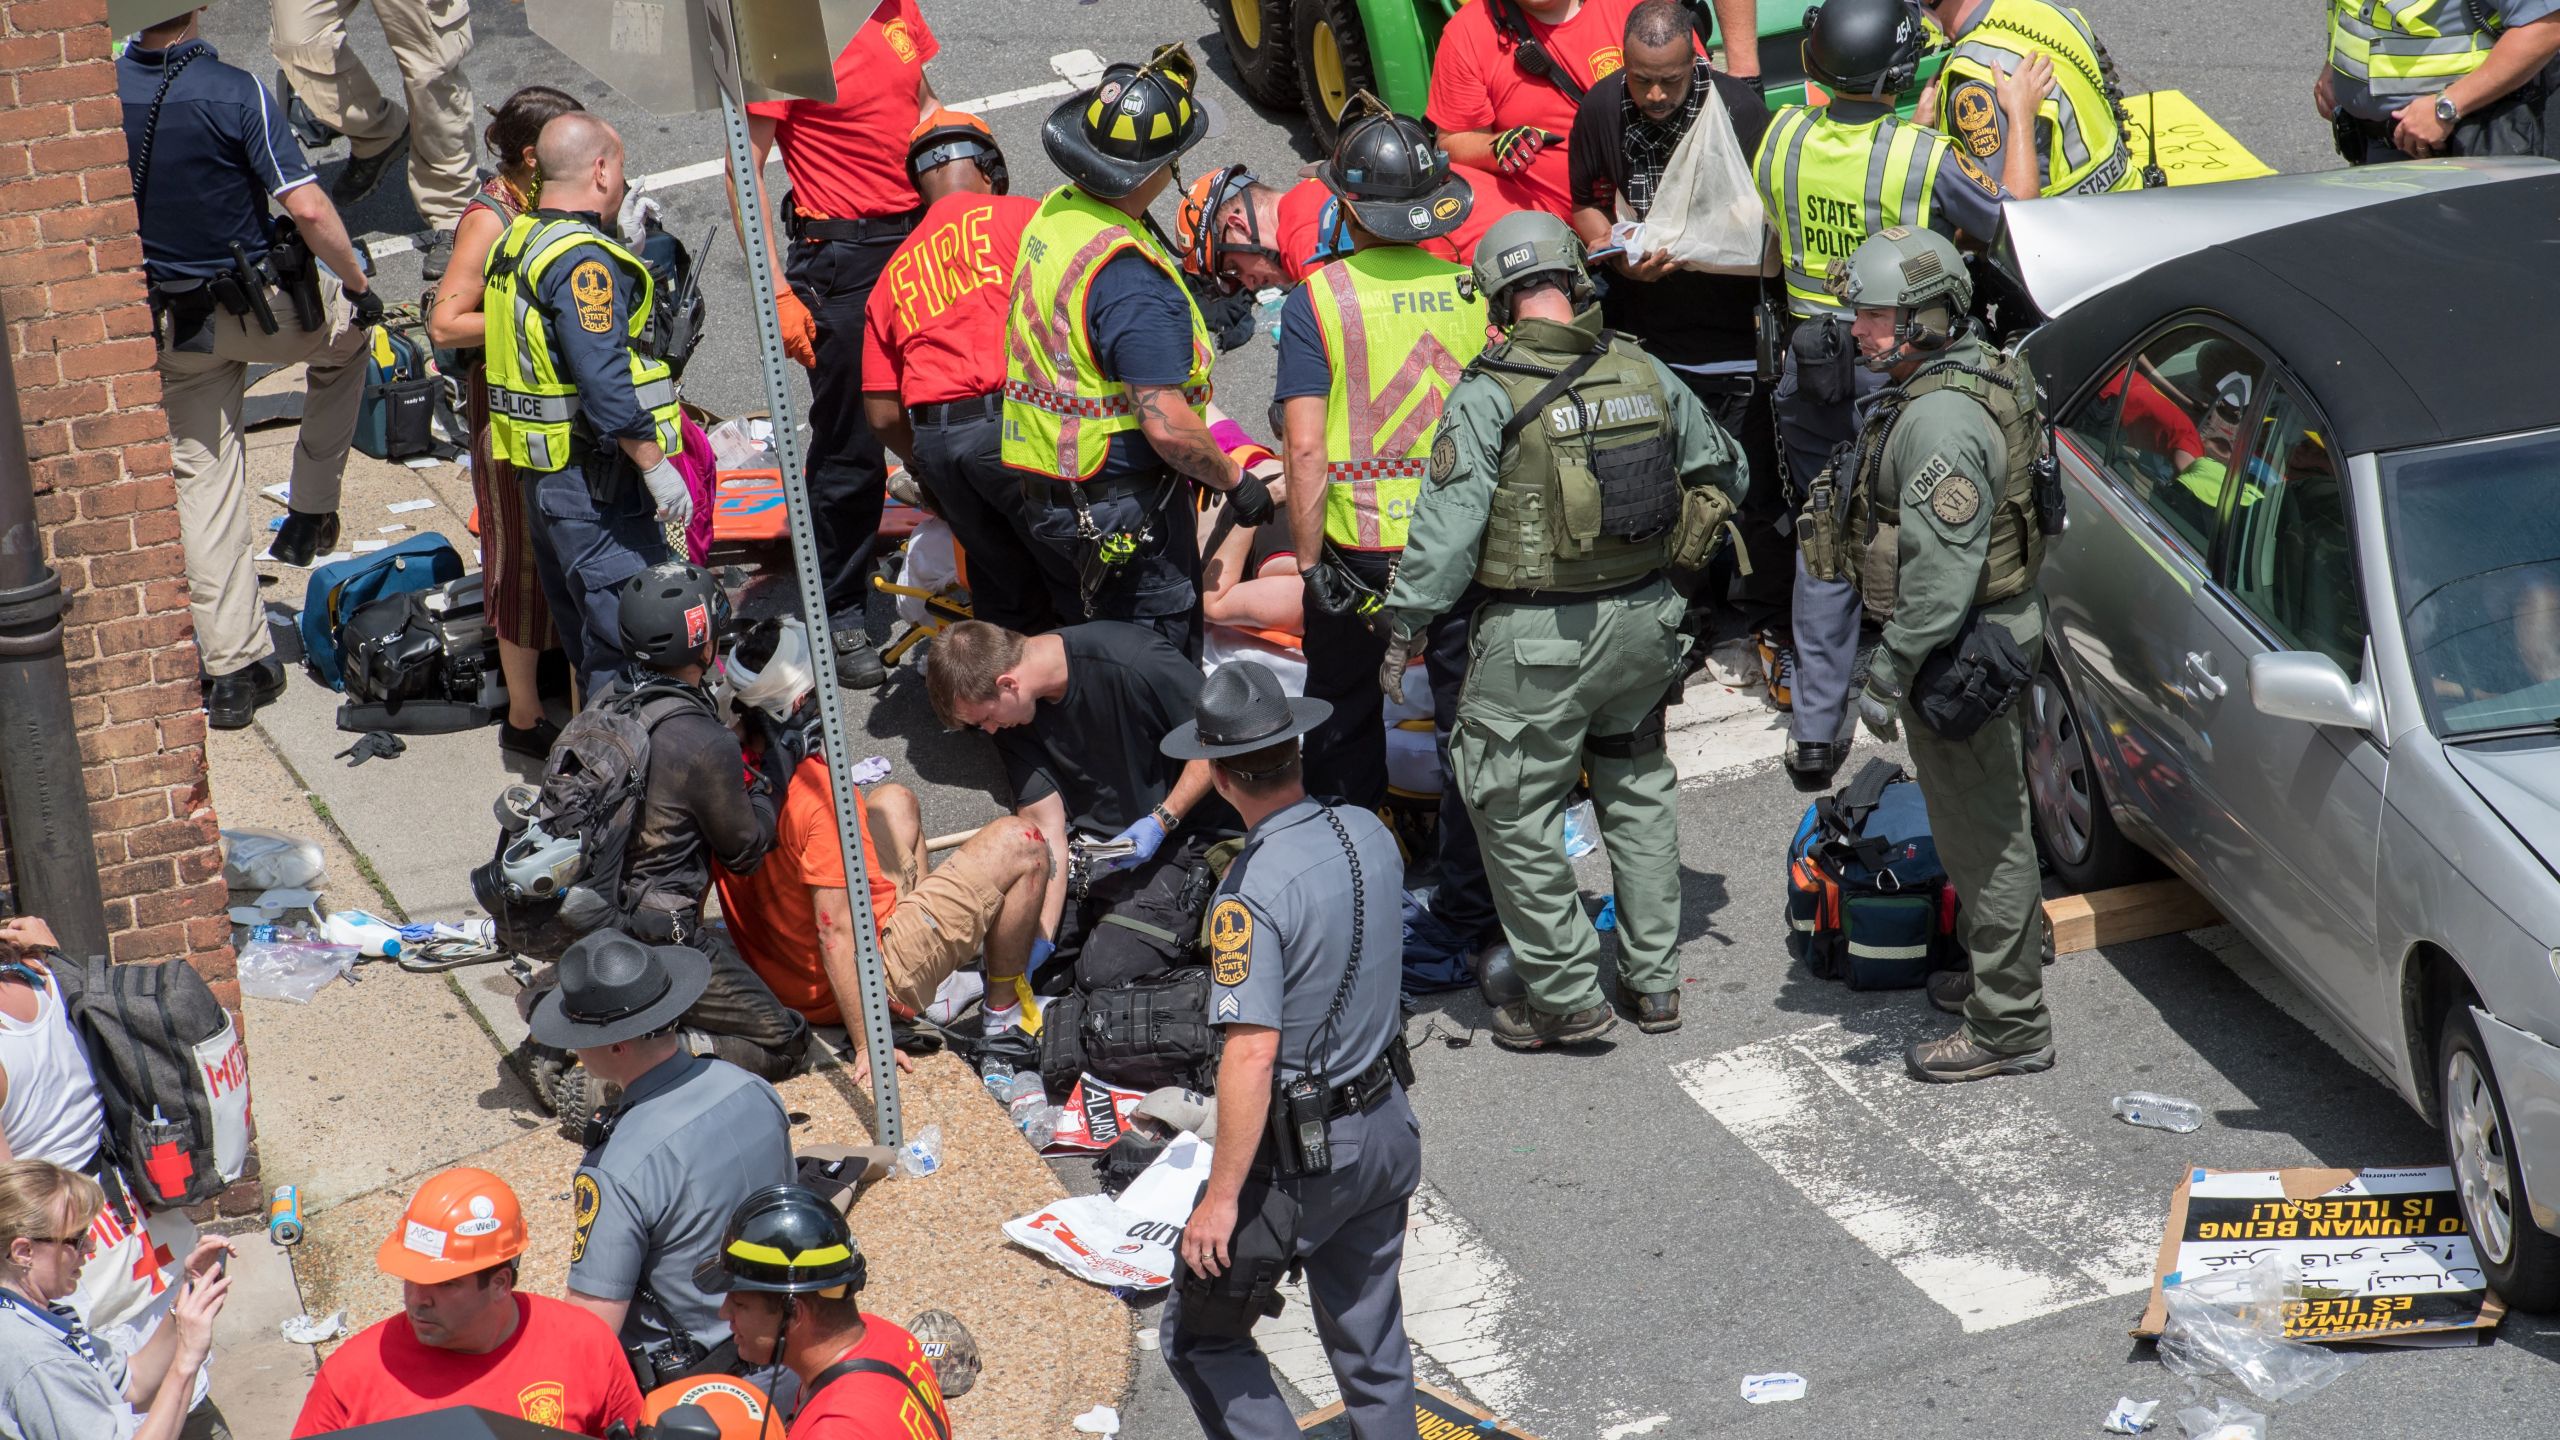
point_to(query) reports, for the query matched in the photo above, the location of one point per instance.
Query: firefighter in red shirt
(850, 205)
(933, 364)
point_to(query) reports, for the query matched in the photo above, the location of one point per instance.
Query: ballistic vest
(1397, 335)
(1060, 410)
(533, 405)
(1829, 185)
(2003, 386)
(2087, 155)
(2417, 47)
(1589, 490)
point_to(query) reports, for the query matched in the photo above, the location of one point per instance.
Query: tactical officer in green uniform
(1940, 522)
(1569, 472)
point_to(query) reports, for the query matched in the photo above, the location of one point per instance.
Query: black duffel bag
(1140, 1037)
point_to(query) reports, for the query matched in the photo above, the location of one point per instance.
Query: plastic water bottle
(2160, 1112)
(1581, 830)
(1042, 1127)
(1266, 310)
(1025, 1098)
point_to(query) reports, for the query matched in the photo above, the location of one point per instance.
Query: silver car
(2305, 635)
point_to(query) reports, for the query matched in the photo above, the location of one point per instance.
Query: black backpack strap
(1844, 815)
(1509, 21)
(865, 1365)
(1527, 415)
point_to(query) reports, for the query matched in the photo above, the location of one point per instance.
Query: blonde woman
(57, 1382)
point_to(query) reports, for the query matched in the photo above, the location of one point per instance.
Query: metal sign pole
(886, 1127)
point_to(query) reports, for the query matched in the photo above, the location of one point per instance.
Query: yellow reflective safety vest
(2087, 154)
(1397, 334)
(1829, 185)
(1060, 410)
(533, 404)
(2414, 48)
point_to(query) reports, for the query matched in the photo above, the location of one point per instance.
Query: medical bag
(397, 418)
(171, 1075)
(1868, 902)
(421, 662)
(339, 590)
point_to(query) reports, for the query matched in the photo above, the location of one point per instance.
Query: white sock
(1000, 1018)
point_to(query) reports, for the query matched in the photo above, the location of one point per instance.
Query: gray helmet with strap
(1521, 246)
(1917, 273)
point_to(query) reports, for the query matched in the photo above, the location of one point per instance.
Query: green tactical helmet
(1902, 268)
(1526, 243)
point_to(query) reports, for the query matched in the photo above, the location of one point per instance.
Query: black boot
(364, 173)
(303, 537)
(232, 701)
(858, 664)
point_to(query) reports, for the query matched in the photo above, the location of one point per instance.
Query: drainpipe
(51, 848)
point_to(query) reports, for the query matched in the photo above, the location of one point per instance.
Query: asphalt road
(1614, 1239)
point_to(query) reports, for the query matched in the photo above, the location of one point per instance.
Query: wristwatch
(1166, 818)
(2446, 112)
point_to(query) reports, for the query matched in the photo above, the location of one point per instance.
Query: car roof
(2407, 299)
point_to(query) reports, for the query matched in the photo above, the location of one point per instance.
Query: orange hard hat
(736, 1406)
(460, 1222)
(947, 135)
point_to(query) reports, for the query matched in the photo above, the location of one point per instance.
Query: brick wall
(79, 335)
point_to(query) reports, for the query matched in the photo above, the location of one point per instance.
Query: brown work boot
(1958, 1056)
(1949, 989)
(1523, 1026)
(1656, 1011)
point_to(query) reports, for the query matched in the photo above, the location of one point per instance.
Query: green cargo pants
(1976, 790)
(1542, 681)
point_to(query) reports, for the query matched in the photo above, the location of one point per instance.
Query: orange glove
(799, 328)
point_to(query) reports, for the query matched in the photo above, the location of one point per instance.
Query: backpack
(1868, 902)
(1141, 1036)
(593, 786)
(397, 417)
(1153, 930)
(170, 1071)
(422, 662)
(338, 591)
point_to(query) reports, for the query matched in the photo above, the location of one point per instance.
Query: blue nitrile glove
(1147, 835)
(1041, 952)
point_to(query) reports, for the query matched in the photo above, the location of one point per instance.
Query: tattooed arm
(1181, 438)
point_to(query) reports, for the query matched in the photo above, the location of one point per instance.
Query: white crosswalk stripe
(1989, 1205)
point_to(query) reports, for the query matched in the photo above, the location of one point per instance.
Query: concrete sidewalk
(391, 1076)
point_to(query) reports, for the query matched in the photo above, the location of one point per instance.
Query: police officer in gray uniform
(664, 1169)
(1318, 1150)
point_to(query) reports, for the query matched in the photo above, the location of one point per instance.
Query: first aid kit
(1868, 903)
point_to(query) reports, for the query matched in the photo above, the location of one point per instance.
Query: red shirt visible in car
(848, 161)
(560, 1368)
(1477, 84)
(935, 327)
(874, 1406)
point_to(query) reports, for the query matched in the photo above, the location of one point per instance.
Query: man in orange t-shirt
(792, 919)
(933, 355)
(1495, 113)
(465, 1334)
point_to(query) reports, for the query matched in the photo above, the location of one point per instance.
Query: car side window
(2171, 420)
(2293, 559)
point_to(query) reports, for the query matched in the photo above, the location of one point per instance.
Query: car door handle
(2200, 669)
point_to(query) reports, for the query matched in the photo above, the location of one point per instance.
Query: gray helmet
(1524, 244)
(951, 1348)
(1915, 272)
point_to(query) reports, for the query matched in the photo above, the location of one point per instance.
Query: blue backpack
(338, 591)
(1868, 902)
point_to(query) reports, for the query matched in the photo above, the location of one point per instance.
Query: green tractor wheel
(1332, 53)
(1258, 38)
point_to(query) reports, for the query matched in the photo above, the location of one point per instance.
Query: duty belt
(859, 232)
(956, 412)
(1363, 1092)
(1552, 598)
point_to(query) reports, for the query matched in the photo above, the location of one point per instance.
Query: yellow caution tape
(2191, 146)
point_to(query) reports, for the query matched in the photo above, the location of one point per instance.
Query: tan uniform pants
(216, 520)
(429, 38)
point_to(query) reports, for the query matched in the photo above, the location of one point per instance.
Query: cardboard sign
(1437, 1415)
(2166, 127)
(2384, 1254)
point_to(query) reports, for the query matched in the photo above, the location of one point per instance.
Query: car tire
(1331, 50)
(2520, 1259)
(2075, 832)
(1259, 41)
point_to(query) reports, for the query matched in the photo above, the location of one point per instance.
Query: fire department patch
(591, 286)
(1444, 459)
(1605, 61)
(544, 1402)
(1977, 119)
(901, 43)
(589, 1199)
(1230, 943)
(1958, 500)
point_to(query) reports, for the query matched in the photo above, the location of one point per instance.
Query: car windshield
(2475, 554)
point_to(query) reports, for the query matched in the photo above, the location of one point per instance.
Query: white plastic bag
(2227, 1420)
(292, 970)
(1706, 213)
(932, 565)
(254, 859)
(2233, 1324)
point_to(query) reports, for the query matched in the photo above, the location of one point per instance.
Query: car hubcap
(1248, 18)
(2058, 773)
(2480, 1168)
(1332, 90)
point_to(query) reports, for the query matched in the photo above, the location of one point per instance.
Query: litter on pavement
(1127, 1242)
(2227, 1420)
(2131, 1416)
(1100, 1420)
(315, 1329)
(1774, 1388)
(405, 507)
(2232, 1325)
